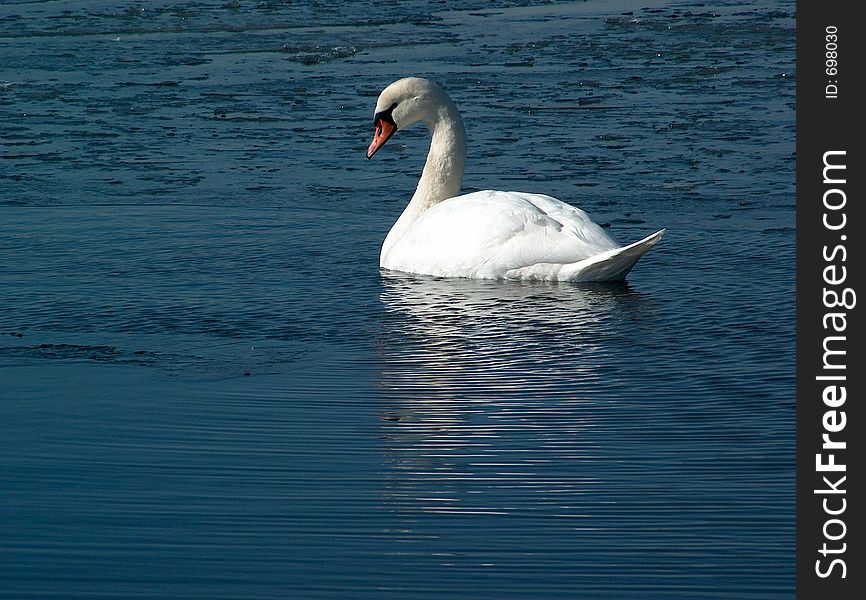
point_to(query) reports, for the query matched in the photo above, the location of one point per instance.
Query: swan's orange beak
(384, 130)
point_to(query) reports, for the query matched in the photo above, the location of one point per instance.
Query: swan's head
(402, 103)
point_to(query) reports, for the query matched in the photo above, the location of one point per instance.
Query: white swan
(487, 234)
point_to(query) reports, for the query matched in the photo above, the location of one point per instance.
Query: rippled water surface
(209, 390)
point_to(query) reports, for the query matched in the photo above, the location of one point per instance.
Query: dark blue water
(209, 390)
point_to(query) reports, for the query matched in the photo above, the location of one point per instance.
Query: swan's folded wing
(488, 233)
(563, 235)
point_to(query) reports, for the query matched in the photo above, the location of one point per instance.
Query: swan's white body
(487, 234)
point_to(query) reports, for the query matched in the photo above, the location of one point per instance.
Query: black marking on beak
(385, 127)
(385, 115)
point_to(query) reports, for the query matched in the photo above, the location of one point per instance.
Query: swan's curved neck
(443, 171)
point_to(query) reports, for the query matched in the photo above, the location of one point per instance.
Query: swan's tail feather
(612, 265)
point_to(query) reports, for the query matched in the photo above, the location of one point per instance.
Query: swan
(487, 234)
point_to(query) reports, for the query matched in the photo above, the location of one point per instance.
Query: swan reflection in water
(495, 393)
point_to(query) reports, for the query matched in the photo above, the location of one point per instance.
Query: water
(210, 391)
